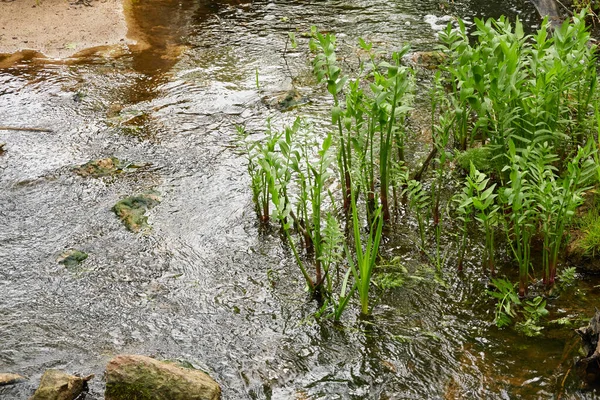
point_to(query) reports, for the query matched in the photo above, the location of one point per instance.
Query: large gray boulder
(57, 385)
(143, 378)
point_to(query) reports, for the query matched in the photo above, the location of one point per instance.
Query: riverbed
(207, 284)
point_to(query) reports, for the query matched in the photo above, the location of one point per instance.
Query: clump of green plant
(365, 258)
(293, 167)
(419, 201)
(586, 242)
(509, 306)
(369, 123)
(523, 103)
(256, 152)
(477, 202)
(483, 158)
(511, 87)
(533, 311)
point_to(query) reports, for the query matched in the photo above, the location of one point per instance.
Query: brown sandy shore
(61, 28)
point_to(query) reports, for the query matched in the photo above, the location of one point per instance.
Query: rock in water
(57, 385)
(10, 379)
(72, 258)
(588, 367)
(131, 210)
(144, 378)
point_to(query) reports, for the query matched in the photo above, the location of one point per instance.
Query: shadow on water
(206, 285)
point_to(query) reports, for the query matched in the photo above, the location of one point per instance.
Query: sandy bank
(60, 28)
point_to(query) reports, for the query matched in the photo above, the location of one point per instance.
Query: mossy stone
(131, 210)
(57, 385)
(135, 377)
(106, 167)
(72, 258)
(101, 167)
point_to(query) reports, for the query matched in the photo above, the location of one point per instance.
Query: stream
(207, 284)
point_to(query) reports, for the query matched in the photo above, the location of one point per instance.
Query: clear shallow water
(207, 285)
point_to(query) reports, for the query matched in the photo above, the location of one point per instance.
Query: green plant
(256, 151)
(365, 258)
(519, 204)
(567, 276)
(369, 124)
(326, 69)
(419, 201)
(509, 304)
(483, 158)
(508, 300)
(509, 86)
(533, 311)
(464, 211)
(486, 211)
(587, 242)
(557, 198)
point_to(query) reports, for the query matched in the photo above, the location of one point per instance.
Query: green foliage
(587, 239)
(483, 158)
(509, 306)
(365, 258)
(567, 276)
(513, 110)
(391, 280)
(519, 226)
(533, 311)
(507, 302)
(370, 123)
(419, 201)
(508, 86)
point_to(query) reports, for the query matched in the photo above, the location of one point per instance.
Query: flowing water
(207, 285)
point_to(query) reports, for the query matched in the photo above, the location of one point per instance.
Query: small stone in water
(72, 257)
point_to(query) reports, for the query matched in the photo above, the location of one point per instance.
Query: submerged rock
(588, 367)
(72, 258)
(426, 59)
(144, 378)
(105, 167)
(10, 379)
(57, 385)
(287, 100)
(131, 210)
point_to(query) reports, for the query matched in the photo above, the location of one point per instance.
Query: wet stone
(287, 100)
(144, 378)
(10, 379)
(72, 258)
(131, 210)
(57, 385)
(106, 166)
(588, 367)
(2, 149)
(426, 59)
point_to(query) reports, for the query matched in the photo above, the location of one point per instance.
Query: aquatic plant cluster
(514, 131)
